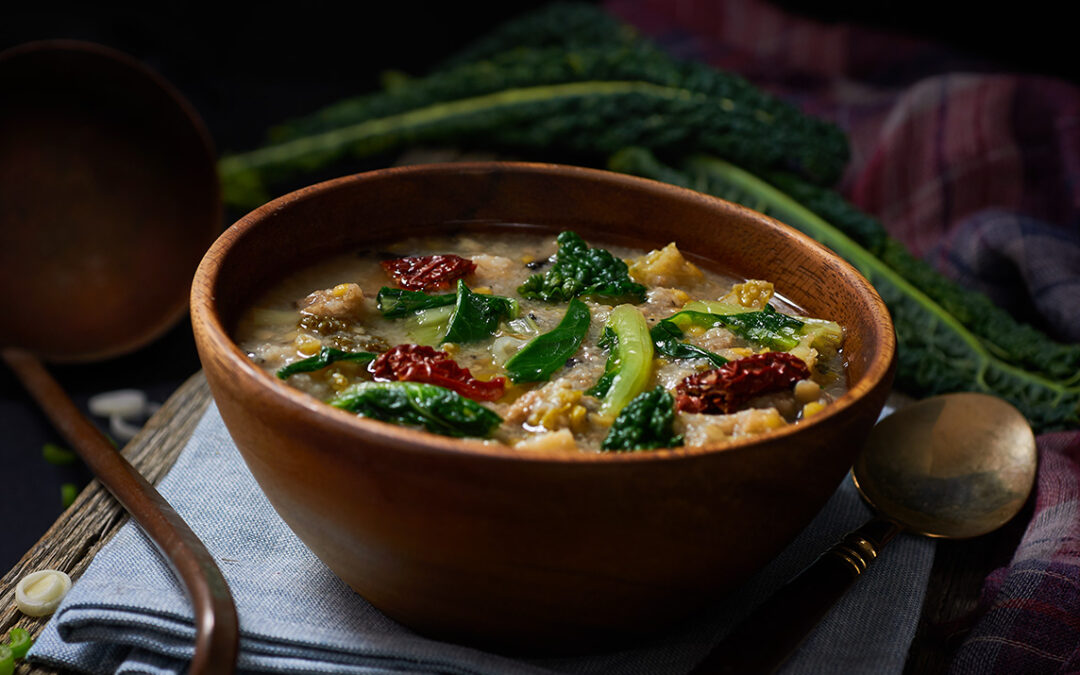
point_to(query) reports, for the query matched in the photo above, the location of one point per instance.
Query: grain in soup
(544, 342)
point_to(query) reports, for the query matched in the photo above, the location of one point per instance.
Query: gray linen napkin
(127, 614)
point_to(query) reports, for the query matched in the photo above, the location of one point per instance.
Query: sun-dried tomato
(428, 272)
(417, 363)
(729, 387)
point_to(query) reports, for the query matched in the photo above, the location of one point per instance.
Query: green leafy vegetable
(546, 353)
(428, 326)
(580, 271)
(766, 327)
(395, 303)
(476, 316)
(564, 93)
(629, 364)
(324, 358)
(646, 423)
(436, 409)
(939, 350)
(667, 339)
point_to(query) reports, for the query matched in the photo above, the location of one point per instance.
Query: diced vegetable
(646, 423)
(629, 364)
(546, 353)
(54, 454)
(418, 363)
(580, 271)
(19, 641)
(324, 358)
(436, 409)
(39, 593)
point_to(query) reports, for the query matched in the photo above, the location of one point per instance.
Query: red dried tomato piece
(417, 363)
(729, 387)
(428, 272)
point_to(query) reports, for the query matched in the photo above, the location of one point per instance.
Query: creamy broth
(334, 304)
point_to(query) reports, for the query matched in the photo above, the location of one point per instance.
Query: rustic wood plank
(95, 516)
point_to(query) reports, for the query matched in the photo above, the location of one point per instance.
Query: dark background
(247, 67)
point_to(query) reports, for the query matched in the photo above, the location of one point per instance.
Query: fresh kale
(416, 404)
(561, 95)
(546, 353)
(766, 327)
(629, 365)
(462, 316)
(324, 358)
(667, 339)
(476, 316)
(939, 350)
(646, 423)
(395, 303)
(580, 271)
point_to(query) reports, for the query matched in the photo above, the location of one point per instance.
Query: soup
(544, 342)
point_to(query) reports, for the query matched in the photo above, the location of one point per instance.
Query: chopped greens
(546, 353)
(395, 303)
(580, 271)
(646, 423)
(324, 358)
(476, 316)
(667, 339)
(56, 455)
(436, 409)
(766, 327)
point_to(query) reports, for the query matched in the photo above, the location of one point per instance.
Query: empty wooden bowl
(534, 551)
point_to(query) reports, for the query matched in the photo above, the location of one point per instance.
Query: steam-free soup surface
(700, 375)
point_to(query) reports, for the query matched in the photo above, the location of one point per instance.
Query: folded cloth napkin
(976, 168)
(127, 614)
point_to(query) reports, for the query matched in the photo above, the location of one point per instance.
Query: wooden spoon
(108, 199)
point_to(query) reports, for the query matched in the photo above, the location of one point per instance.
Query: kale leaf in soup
(546, 343)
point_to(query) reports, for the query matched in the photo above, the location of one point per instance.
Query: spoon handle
(776, 628)
(216, 624)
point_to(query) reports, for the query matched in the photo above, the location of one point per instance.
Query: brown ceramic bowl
(537, 551)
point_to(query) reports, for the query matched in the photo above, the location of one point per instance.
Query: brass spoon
(953, 466)
(108, 199)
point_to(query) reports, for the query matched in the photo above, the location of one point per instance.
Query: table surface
(73, 540)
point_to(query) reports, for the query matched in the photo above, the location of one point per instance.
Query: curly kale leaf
(580, 271)
(646, 423)
(416, 404)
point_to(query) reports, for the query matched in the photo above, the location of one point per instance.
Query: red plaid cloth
(978, 171)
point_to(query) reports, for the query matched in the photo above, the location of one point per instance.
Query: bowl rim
(209, 329)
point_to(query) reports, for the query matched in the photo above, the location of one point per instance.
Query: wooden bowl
(533, 551)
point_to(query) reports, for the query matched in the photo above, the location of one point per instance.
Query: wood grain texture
(534, 551)
(95, 516)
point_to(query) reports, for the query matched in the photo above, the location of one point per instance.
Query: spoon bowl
(955, 466)
(952, 466)
(108, 199)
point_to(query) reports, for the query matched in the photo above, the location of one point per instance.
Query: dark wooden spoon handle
(216, 624)
(776, 628)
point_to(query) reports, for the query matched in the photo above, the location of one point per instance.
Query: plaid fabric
(978, 171)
